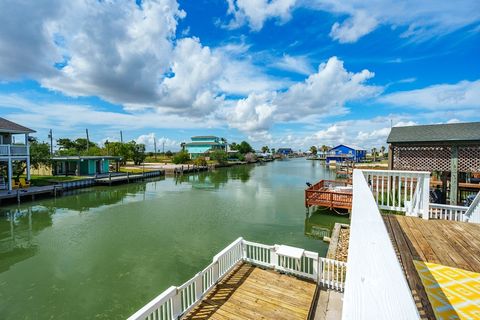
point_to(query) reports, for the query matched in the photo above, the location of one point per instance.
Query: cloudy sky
(277, 72)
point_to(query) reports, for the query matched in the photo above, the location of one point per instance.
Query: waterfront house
(14, 146)
(451, 151)
(83, 165)
(344, 152)
(285, 151)
(202, 145)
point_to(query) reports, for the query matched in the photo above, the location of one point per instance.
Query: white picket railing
(447, 212)
(177, 301)
(405, 191)
(375, 286)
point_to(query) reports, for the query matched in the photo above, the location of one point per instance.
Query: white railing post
(198, 286)
(176, 305)
(425, 197)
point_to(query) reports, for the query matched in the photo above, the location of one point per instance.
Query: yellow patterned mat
(453, 293)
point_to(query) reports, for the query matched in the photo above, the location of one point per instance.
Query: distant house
(12, 149)
(202, 145)
(285, 151)
(343, 152)
(83, 165)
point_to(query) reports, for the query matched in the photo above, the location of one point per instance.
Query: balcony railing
(7, 150)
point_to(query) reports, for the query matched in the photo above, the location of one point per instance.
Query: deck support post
(10, 173)
(454, 176)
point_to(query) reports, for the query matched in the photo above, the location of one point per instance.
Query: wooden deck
(449, 243)
(250, 292)
(329, 194)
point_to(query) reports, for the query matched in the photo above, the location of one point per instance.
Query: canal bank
(102, 252)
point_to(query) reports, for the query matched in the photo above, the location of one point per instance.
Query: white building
(14, 147)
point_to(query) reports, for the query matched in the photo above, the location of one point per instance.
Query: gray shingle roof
(12, 127)
(469, 131)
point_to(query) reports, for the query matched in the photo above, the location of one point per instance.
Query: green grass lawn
(39, 181)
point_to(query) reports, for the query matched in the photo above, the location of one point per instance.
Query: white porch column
(10, 171)
(27, 145)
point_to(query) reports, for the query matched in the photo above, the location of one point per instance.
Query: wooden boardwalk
(250, 292)
(449, 243)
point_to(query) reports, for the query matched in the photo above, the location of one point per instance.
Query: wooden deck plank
(449, 243)
(249, 292)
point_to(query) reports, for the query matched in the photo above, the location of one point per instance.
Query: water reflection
(218, 178)
(17, 231)
(321, 222)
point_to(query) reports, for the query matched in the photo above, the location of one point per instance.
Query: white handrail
(473, 212)
(177, 301)
(447, 212)
(405, 191)
(375, 286)
(13, 150)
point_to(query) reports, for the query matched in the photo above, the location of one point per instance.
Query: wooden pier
(127, 177)
(249, 292)
(329, 194)
(30, 192)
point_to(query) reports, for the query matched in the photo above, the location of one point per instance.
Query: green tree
(137, 152)
(245, 147)
(219, 155)
(265, 149)
(181, 157)
(169, 153)
(273, 150)
(234, 146)
(39, 156)
(313, 150)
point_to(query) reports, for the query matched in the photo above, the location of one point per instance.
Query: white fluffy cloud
(464, 94)
(256, 12)
(150, 139)
(324, 93)
(420, 19)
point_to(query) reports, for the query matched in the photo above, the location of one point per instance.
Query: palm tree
(374, 154)
(265, 149)
(224, 142)
(324, 148)
(183, 145)
(313, 150)
(382, 150)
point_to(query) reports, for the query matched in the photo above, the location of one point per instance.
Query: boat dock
(30, 192)
(127, 177)
(329, 194)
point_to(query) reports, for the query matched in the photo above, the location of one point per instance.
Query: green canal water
(104, 252)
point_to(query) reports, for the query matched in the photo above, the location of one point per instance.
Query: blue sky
(283, 73)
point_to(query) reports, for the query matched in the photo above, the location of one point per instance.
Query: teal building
(202, 145)
(83, 165)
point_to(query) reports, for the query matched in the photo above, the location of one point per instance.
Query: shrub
(181, 157)
(220, 156)
(200, 161)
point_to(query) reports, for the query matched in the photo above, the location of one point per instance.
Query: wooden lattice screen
(435, 158)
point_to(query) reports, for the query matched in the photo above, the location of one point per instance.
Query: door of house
(98, 165)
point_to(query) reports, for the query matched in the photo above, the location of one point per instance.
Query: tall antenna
(50, 136)
(155, 146)
(121, 136)
(391, 123)
(88, 140)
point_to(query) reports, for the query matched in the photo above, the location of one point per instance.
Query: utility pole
(121, 136)
(50, 136)
(163, 147)
(155, 146)
(88, 140)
